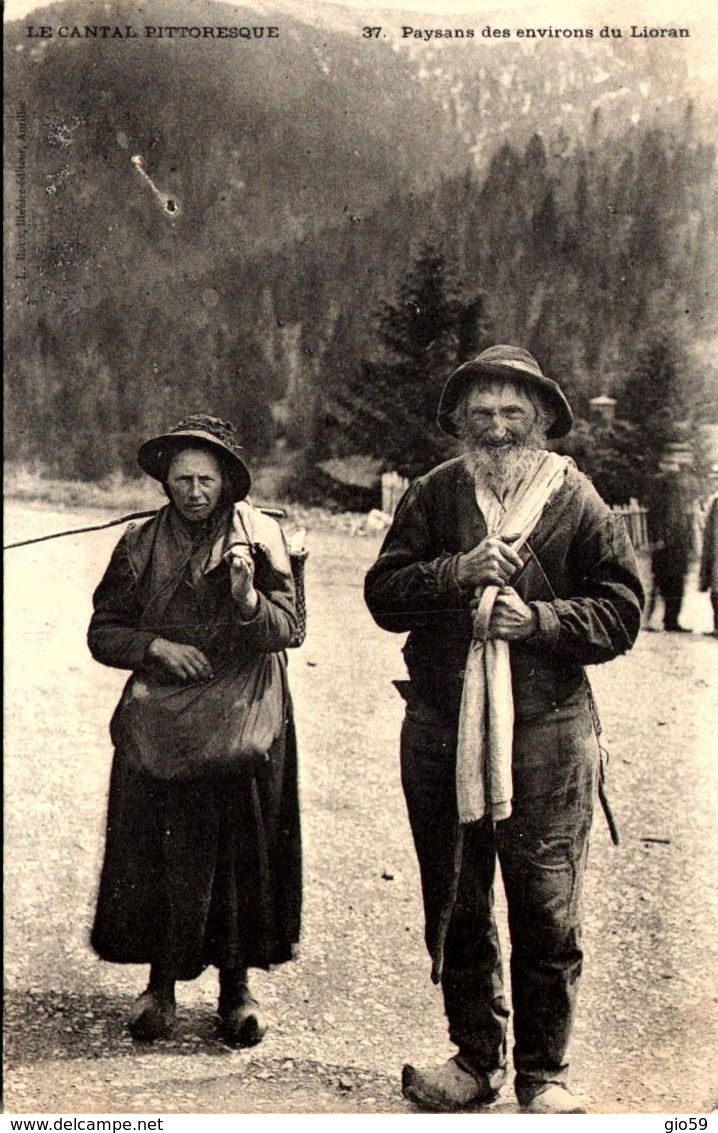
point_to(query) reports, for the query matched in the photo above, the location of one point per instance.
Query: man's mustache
(495, 447)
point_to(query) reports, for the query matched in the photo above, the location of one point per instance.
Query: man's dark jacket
(579, 575)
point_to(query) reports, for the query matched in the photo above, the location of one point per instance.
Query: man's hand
(491, 563)
(182, 661)
(511, 618)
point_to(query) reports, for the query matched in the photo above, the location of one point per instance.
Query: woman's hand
(183, 661)
(241, 573)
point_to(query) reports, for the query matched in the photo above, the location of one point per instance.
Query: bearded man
(510, 574)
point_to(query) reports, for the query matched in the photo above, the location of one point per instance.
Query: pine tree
(425, 333)
(660, 400)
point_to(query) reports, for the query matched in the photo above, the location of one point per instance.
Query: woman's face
(194, 481)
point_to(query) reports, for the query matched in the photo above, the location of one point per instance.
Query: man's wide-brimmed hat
(220, 437)
(507, 364)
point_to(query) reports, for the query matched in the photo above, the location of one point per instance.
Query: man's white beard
(504, 468)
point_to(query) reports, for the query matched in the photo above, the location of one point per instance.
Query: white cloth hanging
(484, 783)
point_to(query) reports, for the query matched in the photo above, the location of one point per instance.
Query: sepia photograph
(361, 559)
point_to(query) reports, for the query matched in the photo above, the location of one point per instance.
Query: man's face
(194, 480)
(503, 435)
(498, 416)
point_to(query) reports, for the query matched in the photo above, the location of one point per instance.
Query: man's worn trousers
(542, 849)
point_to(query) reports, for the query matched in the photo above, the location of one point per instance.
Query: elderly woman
(202, 859)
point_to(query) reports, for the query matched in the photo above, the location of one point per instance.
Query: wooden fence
(634, 516)
(633, 513)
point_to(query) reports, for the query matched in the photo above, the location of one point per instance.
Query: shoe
(552, 1098)
(677, 629)
(449, 1087)
(242, 1023)
(152, 1016)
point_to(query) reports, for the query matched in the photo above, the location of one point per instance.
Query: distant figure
(202, 858)
(510, 574)
(671, 533)
(708, 578)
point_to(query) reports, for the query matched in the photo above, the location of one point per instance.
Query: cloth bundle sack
(202, 730)
(224, 726)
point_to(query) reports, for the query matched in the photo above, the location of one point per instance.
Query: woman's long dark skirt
(201, 873)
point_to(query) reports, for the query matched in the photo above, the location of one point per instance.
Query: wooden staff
(112, 523)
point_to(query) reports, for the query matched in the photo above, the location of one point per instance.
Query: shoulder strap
(525, 511)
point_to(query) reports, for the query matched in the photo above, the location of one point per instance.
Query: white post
(393, 487)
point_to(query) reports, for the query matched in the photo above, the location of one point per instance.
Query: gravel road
(358, 1002)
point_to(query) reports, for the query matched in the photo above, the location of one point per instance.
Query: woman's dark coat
(196, 872)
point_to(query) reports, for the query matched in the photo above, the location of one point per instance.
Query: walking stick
(606, 806)
(81, 530)
(275, 514)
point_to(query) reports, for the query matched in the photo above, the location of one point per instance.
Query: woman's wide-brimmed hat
(199, 429)
(508, 364)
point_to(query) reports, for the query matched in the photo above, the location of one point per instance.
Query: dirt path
(358, 1001)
